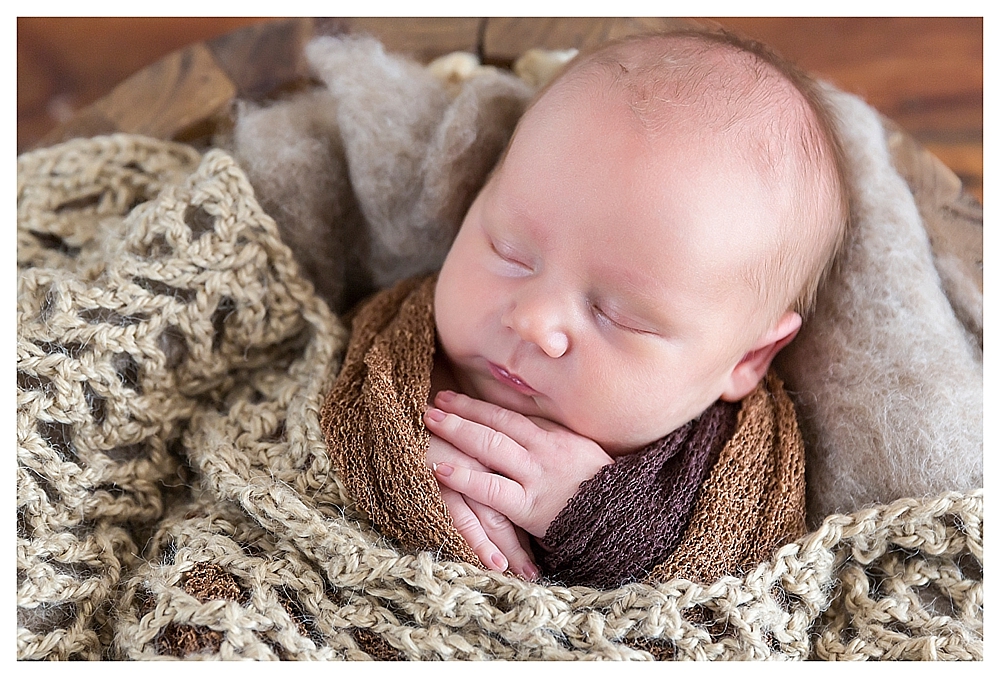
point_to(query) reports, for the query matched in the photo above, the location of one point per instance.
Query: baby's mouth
(513, 381)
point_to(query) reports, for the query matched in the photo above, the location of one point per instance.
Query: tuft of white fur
(294, 158)
(539, 66)
(963, 293)
(888, 383)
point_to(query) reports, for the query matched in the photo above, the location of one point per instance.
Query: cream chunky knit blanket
(175, 497)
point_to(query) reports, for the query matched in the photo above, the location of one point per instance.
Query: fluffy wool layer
(888, 382)
(369, 178)
(297, 161)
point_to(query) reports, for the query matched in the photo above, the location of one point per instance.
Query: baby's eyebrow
(520, 216)
(521, 223)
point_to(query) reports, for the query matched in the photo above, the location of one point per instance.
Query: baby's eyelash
(600, 313)
(602, 316)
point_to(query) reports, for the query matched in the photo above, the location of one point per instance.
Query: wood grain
(505, 39)
(423, 38)
(65, 64)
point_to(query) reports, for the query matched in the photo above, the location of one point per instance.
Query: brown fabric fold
(754, 500)
(709, 503)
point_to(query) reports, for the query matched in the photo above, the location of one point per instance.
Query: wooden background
(924, 73)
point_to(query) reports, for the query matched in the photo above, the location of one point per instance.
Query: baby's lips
(511, 380)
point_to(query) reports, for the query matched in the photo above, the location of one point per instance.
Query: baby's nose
(554, 344)
(539, 324)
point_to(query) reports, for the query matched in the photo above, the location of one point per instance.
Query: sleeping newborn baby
(652, 237)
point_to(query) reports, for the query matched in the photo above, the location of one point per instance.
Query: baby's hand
(497, 541)
(539, 464)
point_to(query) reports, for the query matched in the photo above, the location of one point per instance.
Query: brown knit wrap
(735, 501)
(372, 420)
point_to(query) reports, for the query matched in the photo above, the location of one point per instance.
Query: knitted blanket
(715, 497)
(175, 497)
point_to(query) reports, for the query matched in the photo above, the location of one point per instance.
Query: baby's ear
(753, 366)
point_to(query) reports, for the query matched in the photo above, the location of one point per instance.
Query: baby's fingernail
(531, 572)
(434, 414)
(442, 469)
(499, 561)
(446, 396)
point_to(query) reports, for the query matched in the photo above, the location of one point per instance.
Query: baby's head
(651, 239)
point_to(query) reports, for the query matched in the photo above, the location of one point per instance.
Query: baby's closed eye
(509, 254)
(608, 316)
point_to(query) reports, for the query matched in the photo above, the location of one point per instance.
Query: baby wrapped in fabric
(597, 345)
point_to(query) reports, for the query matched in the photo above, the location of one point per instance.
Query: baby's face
(593, 283)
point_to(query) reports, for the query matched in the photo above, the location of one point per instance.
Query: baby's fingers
(495, 491)
(488, 446)
(511, 541)
(514, 425)
(439, 450)
(469, 526)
